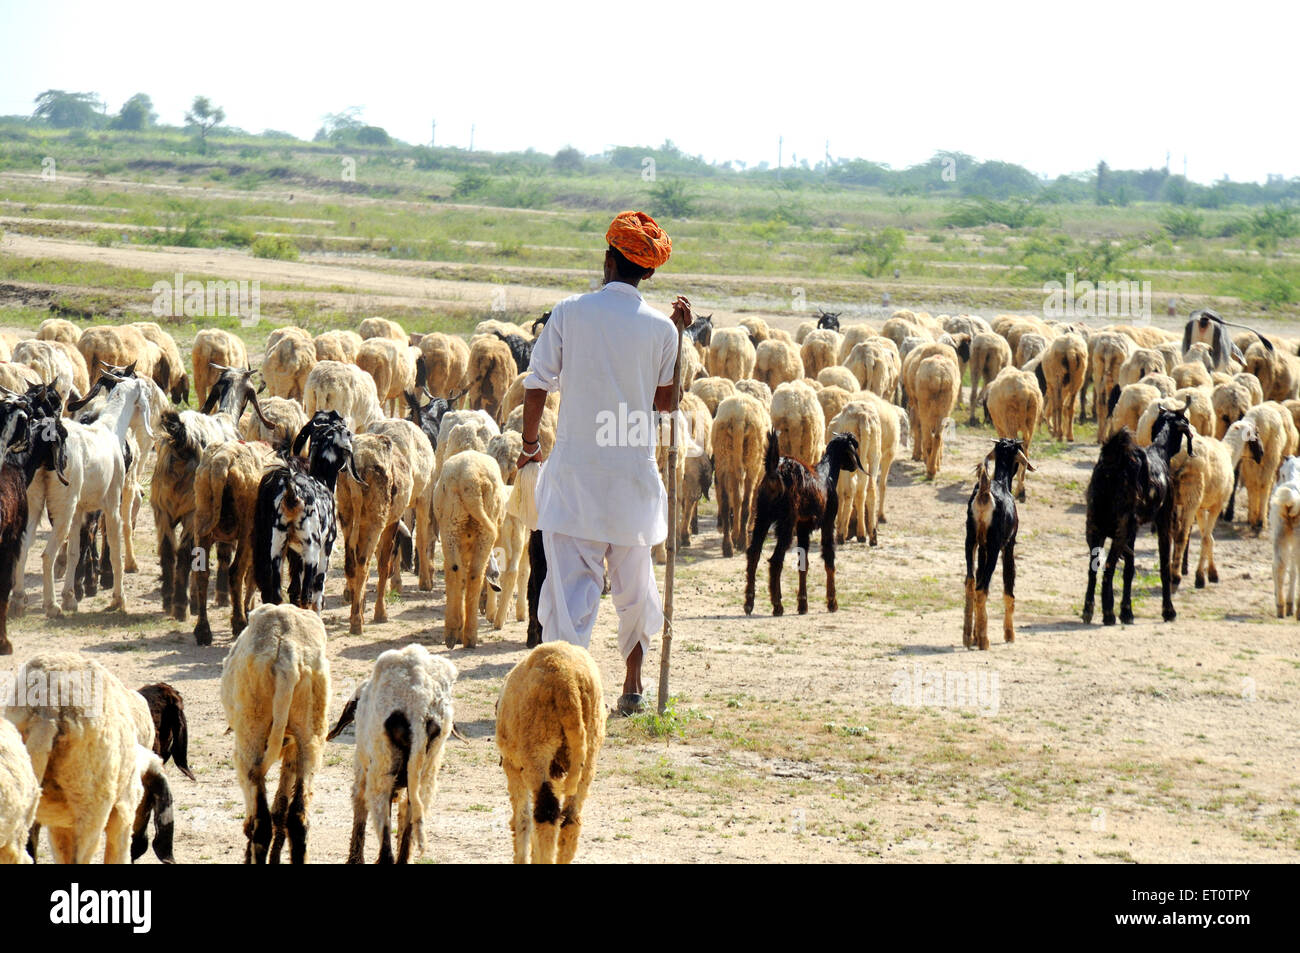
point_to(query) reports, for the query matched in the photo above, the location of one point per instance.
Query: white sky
(1053, 87)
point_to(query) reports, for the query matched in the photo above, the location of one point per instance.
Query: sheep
(757, 330)
(838, 376)
(1201, 353)
(275, 688)
(1063, 367)
(82, 747)
(391, 365)
(850, 337)
(1201, 485)
(505, 327)
(1278, 372)
(1107, 354)
(106, 345)
(933, 395)
(53, 365)
(991, 526)
(214, 348)
(1014, 405)
(20, 794)
(370, 504)
(776, 362)
(226, 483)
(344, 388)
(275, 421)
(550, 728)
(171, 729)
(341, 346)
(755, 389)
(857, 488)
(989, 354)
(1140, 362)
(1161, 382)
(1144, 336)
(418, 450)
(58, 329)
(468, 502)
(691, 367)
(403, 714)
(712, 390)
(798, 499)
(288, 363)
(482, 427)
(443, 364)
(876, 365)
(1199, 413)
(901, 326)
(820, 350)
(1126, 406)
(491, 369)
(1230, 400)
(1028, 347)
(381, 328)
(738, 437)
(177, 382)
(1171, 355)
(797, 417)
(518, 520)
(731, 354)
(833, 400)
(1192, 374)
(1252, 384)
(1131, 486)
(1270, 422)
(1284, 527)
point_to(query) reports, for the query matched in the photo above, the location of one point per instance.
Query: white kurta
(606, 352)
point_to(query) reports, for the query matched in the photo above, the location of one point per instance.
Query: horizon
(912, 106)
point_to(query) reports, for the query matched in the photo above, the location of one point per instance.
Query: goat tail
(285, 683)
(772, 459)
(1288, 511)
(1112, 400)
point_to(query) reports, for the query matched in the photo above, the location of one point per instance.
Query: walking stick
(671, 561)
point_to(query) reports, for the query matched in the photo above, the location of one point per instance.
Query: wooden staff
(671, 561)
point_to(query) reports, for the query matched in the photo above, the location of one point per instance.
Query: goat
(296, 513)
(21, 458)
(521, 349)
(428, 417)
(798, 499)
(700, 330)
(828, 319)
(1131, 486)
(991, 526)
(171, 729)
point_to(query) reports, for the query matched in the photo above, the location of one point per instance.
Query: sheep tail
(573, 750)
(40, 744)
(280, 705)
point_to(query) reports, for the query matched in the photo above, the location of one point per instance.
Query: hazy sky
(1053, 87)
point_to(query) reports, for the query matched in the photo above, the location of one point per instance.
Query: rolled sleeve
(547, 360)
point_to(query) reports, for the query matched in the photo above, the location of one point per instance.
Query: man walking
(599, 497)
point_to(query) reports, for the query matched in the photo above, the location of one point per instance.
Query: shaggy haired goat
(1131, 486)
(991, 526)
(798, 499)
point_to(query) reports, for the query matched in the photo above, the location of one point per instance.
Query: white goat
(1284, 525)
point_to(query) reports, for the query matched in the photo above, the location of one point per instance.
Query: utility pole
(433, 134)
(780, 148)
(826, 167)
(471, 137)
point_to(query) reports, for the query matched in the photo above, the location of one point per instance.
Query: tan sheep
(382, 328)
(368, 514)
(445, 362)
(1107, 353)
(20, 794)
(1252, 384)
(122, 347)
(58, 329)
(1161, 382)
(697, 471)
(546, 429)
(777, 362)
(731, 354)
(1132, 403)
(902, 326)
(285, 413)
(798, 420)
(851, 336)
(857, 488)
(214, 346)
(82, 747)
(468, 502)
(177, 384)
(1199, 412)
(755, 389)
(345, 388)
(712, 390)
(53, 366)
(414, 444)
(1141, 362)
(1145, 336)
(1030, 346)
(341, 346)
(1202, 485)
(819, 351)
(936, 380)
(1230, 401)
(290, 358)
(1278, 372)
(876, 365)
(1015, 405)
(513, 533)
(1270, 422)
(392, 367)
(739, 439)
(275, 689)
(550, 728)
(756, 328)
(839, 376)
(1063, 367)
(491, 369)
(989, 354)
(910, 365)
(833, 400)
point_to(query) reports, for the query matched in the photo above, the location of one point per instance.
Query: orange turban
(640, 239)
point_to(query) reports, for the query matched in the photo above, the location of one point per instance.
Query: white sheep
(275, 688)
(1284, 526)
(20, 794)
(344, 388)
(468, 501)
(403, 714)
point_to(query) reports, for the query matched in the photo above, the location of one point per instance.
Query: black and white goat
(798, 500)
(295, 516)
(700, 331)
(1131, 486)
(991, 526)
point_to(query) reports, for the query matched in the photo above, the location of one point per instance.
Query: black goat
(521, 349)
(991, 526)
(1131, 486)
(828, 319)
(233, 391)
(295, 515)
(700, 331)
(798, 499)
(539, 323)
(428, 417)
(171, 730)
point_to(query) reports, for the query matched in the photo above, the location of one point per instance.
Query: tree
(68, 110)
(1102, 169)
(373, 136)
(568, 159)
(204, 117)
(136, 114)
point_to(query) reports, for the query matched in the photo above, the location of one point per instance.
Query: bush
(470, 183)
(977, 212)
(275, 246)
(1182, 223)
(672, 197)
(878, 248)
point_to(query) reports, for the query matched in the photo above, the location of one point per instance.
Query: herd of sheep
(395, 442)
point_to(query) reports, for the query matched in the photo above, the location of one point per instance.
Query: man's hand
(525, 458)
(681, 315)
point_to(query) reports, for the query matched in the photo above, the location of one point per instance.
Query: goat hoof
(1087, 616)
(832, 605)
(53, 612)
(354, 627)
(778, 609)
(203, 634)
(1170, 614)
(1200, 581)
(180, 612)
(749, 605)
(881, 518)
(6, 647)
(1107, 618)
(1214, 575)
(450, 641)
(1126, 618)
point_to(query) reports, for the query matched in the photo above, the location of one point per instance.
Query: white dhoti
(570, 596)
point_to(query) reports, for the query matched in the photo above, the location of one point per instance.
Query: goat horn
(1025, 460)
(9, 392)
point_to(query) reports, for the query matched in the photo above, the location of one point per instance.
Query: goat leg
(1126, 606)
(1164, 531)
(1009, 592)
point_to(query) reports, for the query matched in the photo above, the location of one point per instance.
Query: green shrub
(275, 246)
(878, 248)
(1182, 223)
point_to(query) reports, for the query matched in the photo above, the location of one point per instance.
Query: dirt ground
(802, 738)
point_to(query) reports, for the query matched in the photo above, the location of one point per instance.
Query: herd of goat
(398, 442)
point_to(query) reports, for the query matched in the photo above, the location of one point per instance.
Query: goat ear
(345, 718)
(1025, 460)
(301, 440)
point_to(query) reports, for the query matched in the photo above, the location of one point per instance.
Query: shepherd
(600, 502)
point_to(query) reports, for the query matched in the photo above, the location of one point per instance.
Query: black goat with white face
(1131, 486)
(295, 516)
(991, 526)
(700, 330)
(829, 319)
